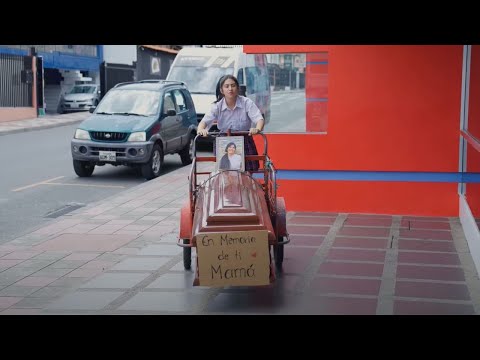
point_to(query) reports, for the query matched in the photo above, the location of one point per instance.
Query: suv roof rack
(123, 83)
(173, 81)
(150, 81)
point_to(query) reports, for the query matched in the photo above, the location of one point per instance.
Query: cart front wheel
(278, 253)
(187, 255)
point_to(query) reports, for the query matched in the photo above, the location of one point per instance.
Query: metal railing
(16, 78)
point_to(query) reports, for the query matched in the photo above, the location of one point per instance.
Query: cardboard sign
(233, 259)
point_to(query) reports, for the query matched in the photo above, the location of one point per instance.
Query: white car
(80, 97)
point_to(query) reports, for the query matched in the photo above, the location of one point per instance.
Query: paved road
(38, 179)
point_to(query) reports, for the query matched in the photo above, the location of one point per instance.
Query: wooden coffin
(231, 201)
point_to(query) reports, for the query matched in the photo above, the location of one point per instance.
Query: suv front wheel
(83, 168)
(154, 166)
(186, 154)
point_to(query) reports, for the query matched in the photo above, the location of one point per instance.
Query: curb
(39, 127)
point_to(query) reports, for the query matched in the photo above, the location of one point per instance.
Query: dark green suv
(136, 124)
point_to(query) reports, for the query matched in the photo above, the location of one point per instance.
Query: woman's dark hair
(230, 144)
(224, 161)
(220, 83)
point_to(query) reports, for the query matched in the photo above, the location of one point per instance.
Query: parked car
(80, 97)
(136, 124)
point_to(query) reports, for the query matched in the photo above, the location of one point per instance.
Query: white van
(201, 68)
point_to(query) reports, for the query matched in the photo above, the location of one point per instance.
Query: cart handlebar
(188, 245)
(283, 242)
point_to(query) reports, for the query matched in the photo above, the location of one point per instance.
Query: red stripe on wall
(316, 87)
(316, 114)
(319, 56)
(316, 80)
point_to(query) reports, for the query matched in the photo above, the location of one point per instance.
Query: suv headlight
(82, 134)
(138, 136)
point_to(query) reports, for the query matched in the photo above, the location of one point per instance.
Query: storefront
(388, 130)
(58, 68)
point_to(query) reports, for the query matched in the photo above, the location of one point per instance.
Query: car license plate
(107, 155)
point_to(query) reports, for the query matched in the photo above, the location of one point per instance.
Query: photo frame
(235, 160)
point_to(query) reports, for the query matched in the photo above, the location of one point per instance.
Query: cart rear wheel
(187, 255)
(278, 253)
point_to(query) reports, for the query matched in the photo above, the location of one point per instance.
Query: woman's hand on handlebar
(253, 131)
(202, 132)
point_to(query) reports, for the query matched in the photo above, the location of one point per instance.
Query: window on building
(298, 91)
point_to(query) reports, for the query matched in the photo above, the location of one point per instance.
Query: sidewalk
(43, 122)
(119, 256)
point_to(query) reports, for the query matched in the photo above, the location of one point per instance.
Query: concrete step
(52, 98)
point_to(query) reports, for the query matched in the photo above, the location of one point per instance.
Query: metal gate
(16, 79)
(112, 74)
(40, 84)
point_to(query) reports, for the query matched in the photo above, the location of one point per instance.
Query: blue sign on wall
(64, 61)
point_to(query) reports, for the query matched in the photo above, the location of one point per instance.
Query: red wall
(390, 108)
(18, 113)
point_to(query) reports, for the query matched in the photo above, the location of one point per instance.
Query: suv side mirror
(171, 112)
(243, 90)
(92, 109)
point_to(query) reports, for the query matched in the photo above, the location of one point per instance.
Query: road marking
(87, 185)
(36, 184)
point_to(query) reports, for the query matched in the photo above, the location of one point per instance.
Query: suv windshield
(200, 80)
(128, 101)
(82, 90)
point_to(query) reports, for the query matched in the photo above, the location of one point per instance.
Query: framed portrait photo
(230, 153)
